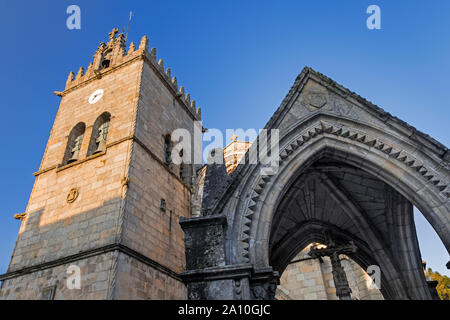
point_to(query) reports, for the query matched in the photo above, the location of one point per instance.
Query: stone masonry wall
(95, 273)
(53, 227)
(148, 229)
(136, 280)
(313, 280)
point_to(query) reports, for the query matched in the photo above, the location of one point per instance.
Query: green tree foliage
(443, 287)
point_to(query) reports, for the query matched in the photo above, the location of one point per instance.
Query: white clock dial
(95, 96)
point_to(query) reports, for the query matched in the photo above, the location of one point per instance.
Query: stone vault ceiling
(309, 199)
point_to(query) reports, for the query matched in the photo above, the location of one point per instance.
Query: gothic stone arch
(346, 166)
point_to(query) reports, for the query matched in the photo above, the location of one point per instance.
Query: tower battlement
(113, 55)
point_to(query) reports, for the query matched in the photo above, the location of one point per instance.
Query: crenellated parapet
(112, 55)
(172, 81)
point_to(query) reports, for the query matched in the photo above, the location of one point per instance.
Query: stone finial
(144, 43)
(161, 64)
(112, 34)
(199, 111)
(89, 69)
(153, 54)
(101, 47)
(121, 40)
(188, 99)
(193, 104)
(80, 73)
(121, 51)
(132, 48)
(169, 73)
(174, 82)
(70, 77)
(181, 90)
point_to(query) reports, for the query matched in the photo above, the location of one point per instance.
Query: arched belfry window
(97, 143)
(106, 60)
(74, 144)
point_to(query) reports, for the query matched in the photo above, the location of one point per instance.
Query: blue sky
(238, 59)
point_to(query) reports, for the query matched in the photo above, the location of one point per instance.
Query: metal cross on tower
(333, 251)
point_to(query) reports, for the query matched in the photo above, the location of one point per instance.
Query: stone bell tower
(107, 199)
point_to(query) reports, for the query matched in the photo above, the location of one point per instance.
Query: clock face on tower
(95, 96)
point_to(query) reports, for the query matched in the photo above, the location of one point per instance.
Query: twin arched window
(97, 142)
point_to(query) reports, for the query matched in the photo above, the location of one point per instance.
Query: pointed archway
(345, 165)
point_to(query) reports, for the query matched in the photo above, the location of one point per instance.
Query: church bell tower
(107, 199)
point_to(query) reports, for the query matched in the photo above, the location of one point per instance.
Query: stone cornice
(203, 221)
(91, 253)
(132, 137)
(218, 273)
